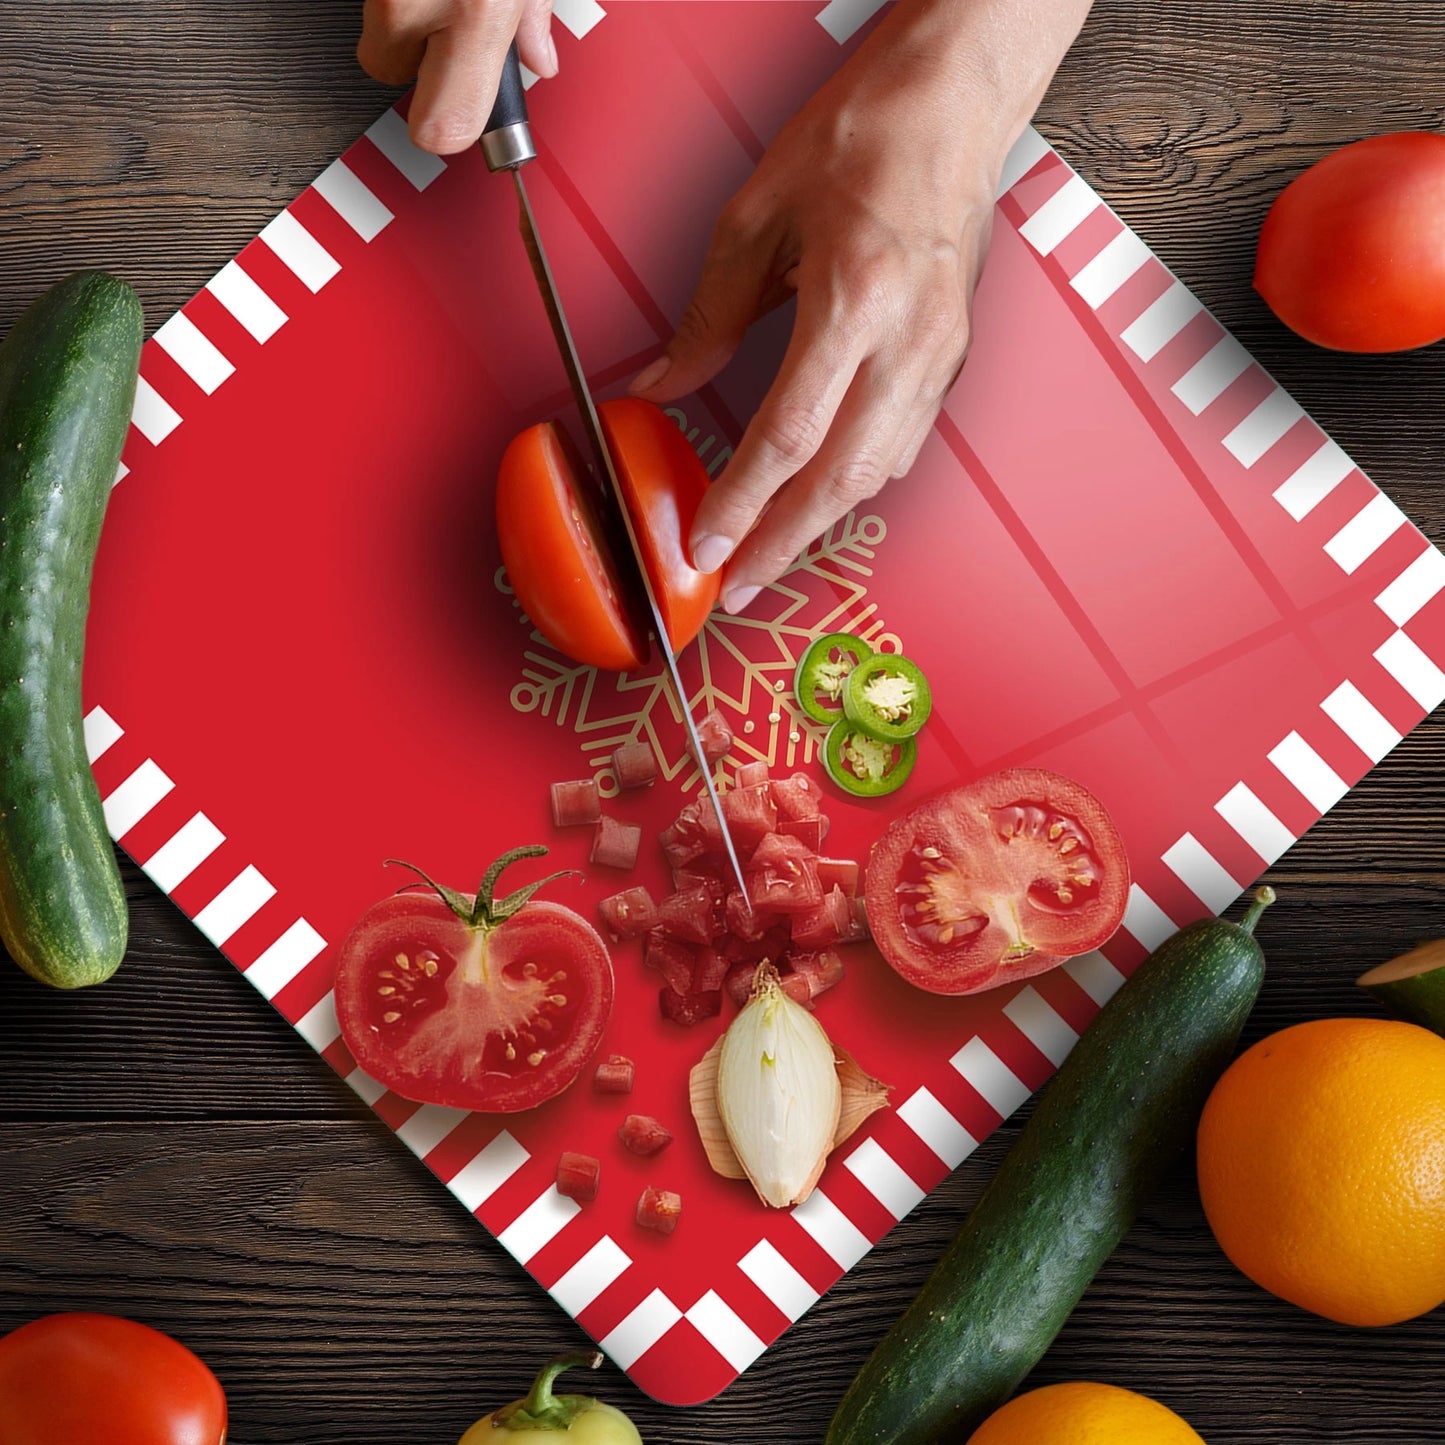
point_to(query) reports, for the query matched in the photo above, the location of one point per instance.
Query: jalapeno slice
(823, 671)
(866, 766)
(887, 696)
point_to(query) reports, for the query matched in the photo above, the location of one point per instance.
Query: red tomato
(1352, 253)
(996, 881)
(78, 1377)
(562, 557)
(493, 1005)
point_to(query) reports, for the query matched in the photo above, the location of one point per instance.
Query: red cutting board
(1124, 554)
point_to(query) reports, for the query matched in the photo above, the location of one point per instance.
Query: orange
(1322, 1168)
(1084, 1414)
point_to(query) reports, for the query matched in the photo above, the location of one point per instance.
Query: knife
(507, 146)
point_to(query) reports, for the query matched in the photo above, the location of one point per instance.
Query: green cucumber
(1412, 987)
(67, 385)
(1118, 1113)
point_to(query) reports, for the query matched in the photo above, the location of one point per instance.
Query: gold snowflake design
(745, 665)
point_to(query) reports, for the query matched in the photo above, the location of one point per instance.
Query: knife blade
(507, 145)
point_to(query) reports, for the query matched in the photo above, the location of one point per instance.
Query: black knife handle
(507, 140)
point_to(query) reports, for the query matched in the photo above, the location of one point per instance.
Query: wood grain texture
(173, 1152)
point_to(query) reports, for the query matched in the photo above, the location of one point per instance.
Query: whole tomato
(1352, 253)
(70, 1378)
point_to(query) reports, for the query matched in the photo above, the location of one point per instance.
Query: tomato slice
(566, 558)
(495, 1006)
(996, 881)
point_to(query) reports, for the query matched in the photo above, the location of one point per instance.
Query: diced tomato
(574, 804)
(743, 922)
(795, 797)
(700, 814)
(823, 969)
(839, 873)
(811, 831)
(797, 988)
(861, 927)
(699, 876)
(614, 844)
(688, 1009)
(615, 1076)
(715, 736)
(738, 982)
(643, 1134)
(783, 876)
(628, 914)
(830, 922)
(675, 961)
(634, 765)
(578, 1176)
(681, 844)
(750, 816)
(752, 775)
(710, 970)
(687, 915)
(659, 1209)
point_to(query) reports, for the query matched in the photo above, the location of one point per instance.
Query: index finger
(785, 434)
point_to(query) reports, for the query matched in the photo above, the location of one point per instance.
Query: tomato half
(562, 557)
(480, 1005)
(996, 881)
(76, 1377)
(1352, 253)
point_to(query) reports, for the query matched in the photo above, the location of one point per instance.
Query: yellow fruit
(1084, 1414)
(1322, 1168)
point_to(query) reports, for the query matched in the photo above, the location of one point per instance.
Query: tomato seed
(536, 1058)
(386, 990)
(557, 1000)
(1068, 845)
(511, 1053)
(390, 1018)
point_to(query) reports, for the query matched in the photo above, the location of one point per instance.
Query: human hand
(874, 205)
(454, 49)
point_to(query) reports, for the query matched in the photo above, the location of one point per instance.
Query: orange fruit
(1084, 1414)
(1322, 1168)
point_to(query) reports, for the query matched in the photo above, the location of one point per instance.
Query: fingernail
(552, 52)
(648, 377)
(739, 598)
(711, 552)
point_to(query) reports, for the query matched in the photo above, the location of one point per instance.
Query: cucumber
(1412, 987)
(1117, 1114)
(67, 384)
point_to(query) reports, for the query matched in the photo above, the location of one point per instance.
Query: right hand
(454, 50)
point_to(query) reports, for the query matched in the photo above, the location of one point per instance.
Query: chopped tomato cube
(675, 961)
(634, 765)
(614, 844)
(688, 1009)
(687, 915)
(643, 1134)
(795, 797)
(578, 1176)
(739, 982)
(574, 804)
(787, 879)
(797, 988)
(659, 1209)
(681, 844)
(750, 816)
(811, 831)
(742, 921)
(839, 873)
(709, 971)
(699, 876)
(715, 736)
(777, 851)
(615, 1076)
(628, 914)
(861, 928)
(830, 922)
(823, 969)
(752, 775)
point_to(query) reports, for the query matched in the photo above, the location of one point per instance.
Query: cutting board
(1125, 554)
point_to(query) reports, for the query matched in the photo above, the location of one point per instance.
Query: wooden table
(171, 1151)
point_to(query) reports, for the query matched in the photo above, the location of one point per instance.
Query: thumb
(734, 290)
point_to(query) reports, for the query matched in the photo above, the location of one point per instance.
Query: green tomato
(583, 1420)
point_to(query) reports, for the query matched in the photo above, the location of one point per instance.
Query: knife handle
(507, 140)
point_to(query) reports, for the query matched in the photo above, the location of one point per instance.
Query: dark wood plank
(172, 1151)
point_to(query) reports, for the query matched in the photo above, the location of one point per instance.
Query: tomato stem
(541, 1409)
(486, 910)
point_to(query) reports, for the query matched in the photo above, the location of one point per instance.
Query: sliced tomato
(562, 555)
(996, 881)
(495, 1005)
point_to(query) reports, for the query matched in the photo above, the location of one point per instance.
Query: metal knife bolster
(507, 145)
